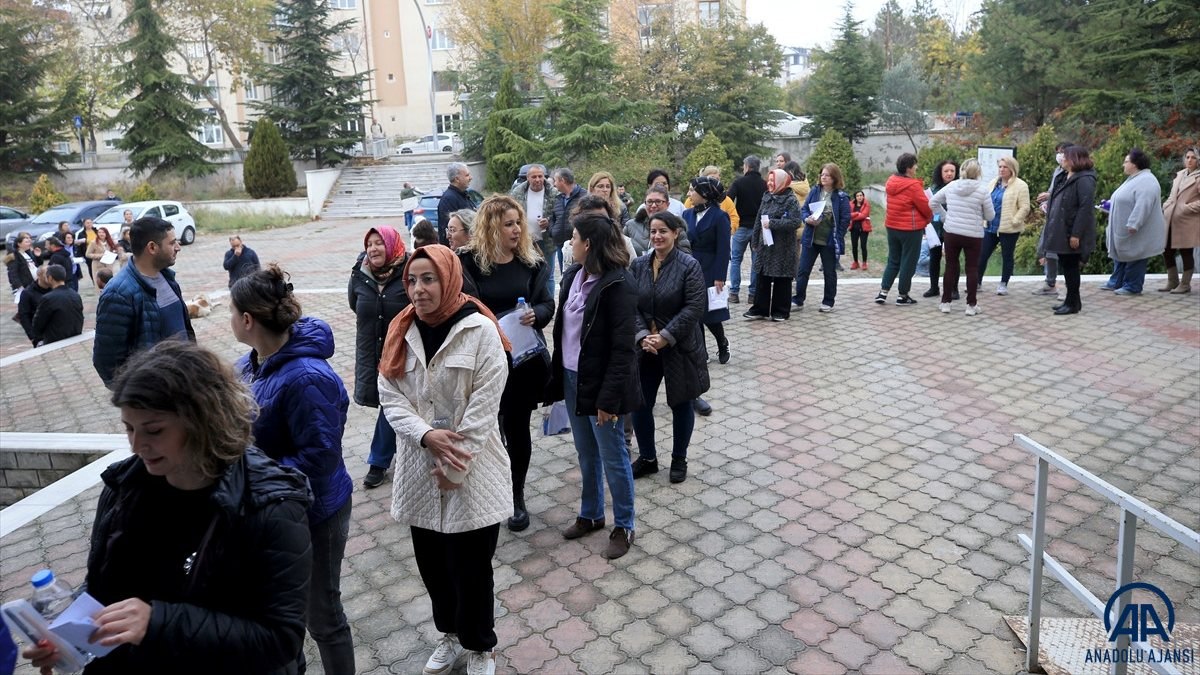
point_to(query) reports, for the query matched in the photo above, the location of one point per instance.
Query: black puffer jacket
(608, 373)
(375, 308)
(244, 600)
(675, 302)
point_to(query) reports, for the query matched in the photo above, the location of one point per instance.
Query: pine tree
(160, 119)
(709, 152)
(506, 144)
(1036, 159)
(833, 147)
(29, 120)
(843, 88)
(315, 107)
(268, 171)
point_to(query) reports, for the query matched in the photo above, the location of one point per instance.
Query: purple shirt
(572, 314)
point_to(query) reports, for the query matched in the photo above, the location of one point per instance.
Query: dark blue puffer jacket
(302, 412)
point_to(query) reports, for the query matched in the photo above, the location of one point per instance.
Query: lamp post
(429, 53)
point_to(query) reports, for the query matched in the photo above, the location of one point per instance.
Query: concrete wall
(320, 183)
(877, 152)
(24, 472)
(110, 171)
(285, 206)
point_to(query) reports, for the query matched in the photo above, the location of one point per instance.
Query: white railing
(1132, 510)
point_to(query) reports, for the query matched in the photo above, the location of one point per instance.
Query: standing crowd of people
(222, 540)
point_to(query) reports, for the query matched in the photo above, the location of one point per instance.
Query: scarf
(450, 274)
(783, 181)
(710, 189)
(395, 252)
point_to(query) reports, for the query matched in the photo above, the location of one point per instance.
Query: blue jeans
(548, 252)
(383, 443)
(741, 241)
(1008, 246)
(326, 619)
(683, 415)
(1129, 275)
(602, 454)
(808, 258)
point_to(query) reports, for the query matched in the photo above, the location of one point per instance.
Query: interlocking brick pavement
(852, 504)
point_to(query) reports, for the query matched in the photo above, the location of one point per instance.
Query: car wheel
(189, 235)
(405, 151)
(447, 149)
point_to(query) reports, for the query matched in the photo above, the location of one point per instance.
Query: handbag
(555, 420)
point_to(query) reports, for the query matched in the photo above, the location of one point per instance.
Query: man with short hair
(569, 194)
(58, 254)
(240, 260)
(59, 314)
(143, 305)
(111, 196)
(454, 197)
(537, 198)
(28, 304)
(746, 193)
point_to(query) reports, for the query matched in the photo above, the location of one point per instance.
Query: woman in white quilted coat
(441, 375)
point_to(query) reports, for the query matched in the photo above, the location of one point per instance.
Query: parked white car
(447, 142)
(185, 224)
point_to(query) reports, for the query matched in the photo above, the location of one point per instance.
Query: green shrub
(931, 155)
(629, 163)
(268, 170)
(709, 152)
(833, 147)
(143, 193)
(1036, 159)
(44, 195)
(1025, 259)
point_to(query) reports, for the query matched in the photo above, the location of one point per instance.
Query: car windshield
(56, 215)
(115, 215)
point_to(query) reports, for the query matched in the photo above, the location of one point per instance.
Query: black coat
(676, 303)
(27, 309)
(452, 200)
(747, 193)
(560, 222)
(19, 275)
(608, 372)
(374, 308)
(242, 265)
(242, 605)
(1072, 214)
(59, 316)
(64, 258)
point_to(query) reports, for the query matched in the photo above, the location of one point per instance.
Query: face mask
(1059, 158)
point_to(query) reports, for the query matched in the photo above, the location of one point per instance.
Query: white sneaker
(972, 310)
(445, 655)
(825, 309)
(1002, 289)
(945, 307)
(481, 663)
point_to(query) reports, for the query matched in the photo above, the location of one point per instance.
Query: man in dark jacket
(30, 297)
(60, 255)
(455, 197)
(240, 260)
(60, 313)
(142, 305)
(746, 193)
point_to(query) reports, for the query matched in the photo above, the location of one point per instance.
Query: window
(151, 212)
(253, 92)
(391, 77)
(447, 123)
(98, 9)
(435, 2)
(709, 11)
(342, 4)
(274, 54)
(194, 50)
(647, 16)
(208, 91)
(61, 147)
(445, 80)
(441, 40)
(110, 143)
(354, 125)
(211, 133)
(170, 210)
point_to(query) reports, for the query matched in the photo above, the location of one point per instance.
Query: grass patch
(212, 221)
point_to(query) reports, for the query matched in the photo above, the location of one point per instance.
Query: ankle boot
(1172, 280)
(1185, 283)
(520, 517)
(723, 351)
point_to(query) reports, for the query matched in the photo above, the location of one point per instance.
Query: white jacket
(463, 382)
(965, 206)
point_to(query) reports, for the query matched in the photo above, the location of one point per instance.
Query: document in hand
(718, 299)
(817, 208)
(524, 339)
(768, 238)
(931, 236)
(109, 257)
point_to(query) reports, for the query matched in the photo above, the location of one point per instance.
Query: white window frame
(447, 124)
(343, 4)
(61, 147)
(708, 11)
(110, 143)
(440, 40)
(211, 133)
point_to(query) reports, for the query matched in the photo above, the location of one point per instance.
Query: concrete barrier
(30, 462)
(292, 207)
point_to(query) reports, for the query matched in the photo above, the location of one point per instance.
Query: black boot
(723, 351)
(520, 517)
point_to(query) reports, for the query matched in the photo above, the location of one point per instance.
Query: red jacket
(862, 217)
(907, 205)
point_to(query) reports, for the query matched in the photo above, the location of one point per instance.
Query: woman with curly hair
(501, 266)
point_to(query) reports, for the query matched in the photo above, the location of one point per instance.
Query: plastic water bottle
(522, 307)
(50, 595)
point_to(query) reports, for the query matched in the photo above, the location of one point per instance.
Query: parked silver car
(11, 221)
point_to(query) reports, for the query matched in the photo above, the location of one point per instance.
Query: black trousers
(457, 571)
(858, 239)
(1069, 264)
(773, 297)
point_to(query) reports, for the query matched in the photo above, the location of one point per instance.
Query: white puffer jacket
(463, 382)
(965, 206)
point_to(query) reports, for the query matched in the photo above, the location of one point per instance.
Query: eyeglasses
(655, 202)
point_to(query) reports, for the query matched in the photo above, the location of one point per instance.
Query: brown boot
(1185, 283)
(1172, 280)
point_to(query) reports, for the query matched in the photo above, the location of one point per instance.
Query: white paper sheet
(931, 236)
(523, 338)
(718, 300)
(75, 624)
(816, 208)
(768, 238)
(109, 257)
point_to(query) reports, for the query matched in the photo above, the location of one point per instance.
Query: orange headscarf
(450, 274)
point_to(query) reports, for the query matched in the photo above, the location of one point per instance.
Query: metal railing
(1132, 510)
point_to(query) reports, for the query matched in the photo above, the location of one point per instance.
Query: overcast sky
(802, 23)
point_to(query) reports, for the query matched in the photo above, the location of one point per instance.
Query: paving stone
(741, 659)
(637, 637)
(848, 648)
(923, 652)
(707, 641)
(816, 662)
(668, 658)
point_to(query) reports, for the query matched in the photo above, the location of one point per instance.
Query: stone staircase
(374, 191)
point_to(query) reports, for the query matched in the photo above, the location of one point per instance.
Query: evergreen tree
(315, 107)
(902, 99)
(588, 113)
(29, 120)
(160, 120)
(1110, 158)
(710, 152)
(268, 171)
(833, 147)
(843, 88)
(44, 196)
(933, 154)
(506, 145)
(1036, 157)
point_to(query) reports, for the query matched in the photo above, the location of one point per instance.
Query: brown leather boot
(1185, 283)
(1172, 280)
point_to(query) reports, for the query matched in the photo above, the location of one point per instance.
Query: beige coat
(1182, 211)
(463, 382)
(95, 251)
(1015, 207)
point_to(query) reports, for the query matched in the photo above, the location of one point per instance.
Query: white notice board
(988, 155)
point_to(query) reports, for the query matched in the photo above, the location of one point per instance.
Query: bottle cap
(520, 300)
(42, 578)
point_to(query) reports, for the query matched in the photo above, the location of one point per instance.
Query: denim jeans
(548, 252)
(741, 242)
(602, 454)
(808, 258)
(1008, 246)
(326, 619)
(683, 415)
(1129, 275)
(383, 443)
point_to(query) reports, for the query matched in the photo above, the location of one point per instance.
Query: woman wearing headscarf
(441, 377)
(1182, 213)
(776, 262)
(709, 229)
(825, 236)
(377, 295)
(1136, 228)
(1071, 223)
